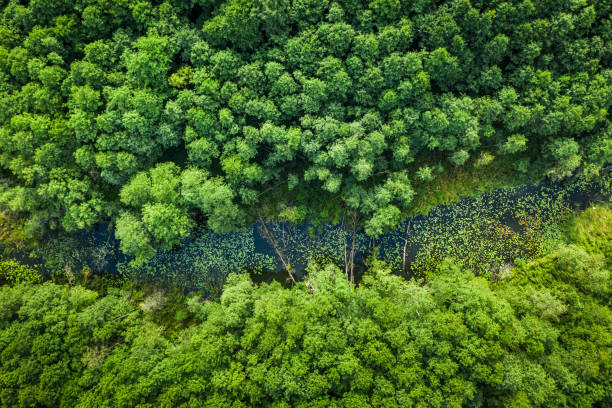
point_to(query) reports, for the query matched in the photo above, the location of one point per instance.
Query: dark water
(496, 221)
(453, 229)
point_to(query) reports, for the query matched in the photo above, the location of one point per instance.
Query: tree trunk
(405, 247)
(277, 248)
(349, 255)
(352, 254)
(346, 261)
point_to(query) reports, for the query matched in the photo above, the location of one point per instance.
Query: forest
(540, 336)
(159, 117)
(305, 203)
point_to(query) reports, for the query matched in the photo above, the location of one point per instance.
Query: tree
(135, 240)
(53, 333)
(148, 66)
(452, 338)
(337, 94)
(565, 153)
(443, 68)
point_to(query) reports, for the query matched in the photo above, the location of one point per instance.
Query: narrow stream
(485, 233)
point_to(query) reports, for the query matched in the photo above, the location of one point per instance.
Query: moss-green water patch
(459, 182)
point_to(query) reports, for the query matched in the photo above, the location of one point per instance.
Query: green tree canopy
(318, 104)
(539, 336)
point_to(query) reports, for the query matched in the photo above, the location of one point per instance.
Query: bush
(14, 272)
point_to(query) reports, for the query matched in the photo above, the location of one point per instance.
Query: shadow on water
(494, 219)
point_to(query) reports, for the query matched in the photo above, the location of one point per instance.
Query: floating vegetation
(490, 231)
(302, 245)
(204, 262)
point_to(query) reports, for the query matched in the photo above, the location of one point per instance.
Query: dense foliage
(12, 271)
(163, 115)
(539, 337)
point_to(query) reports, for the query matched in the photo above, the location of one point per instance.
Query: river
(485, 233)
